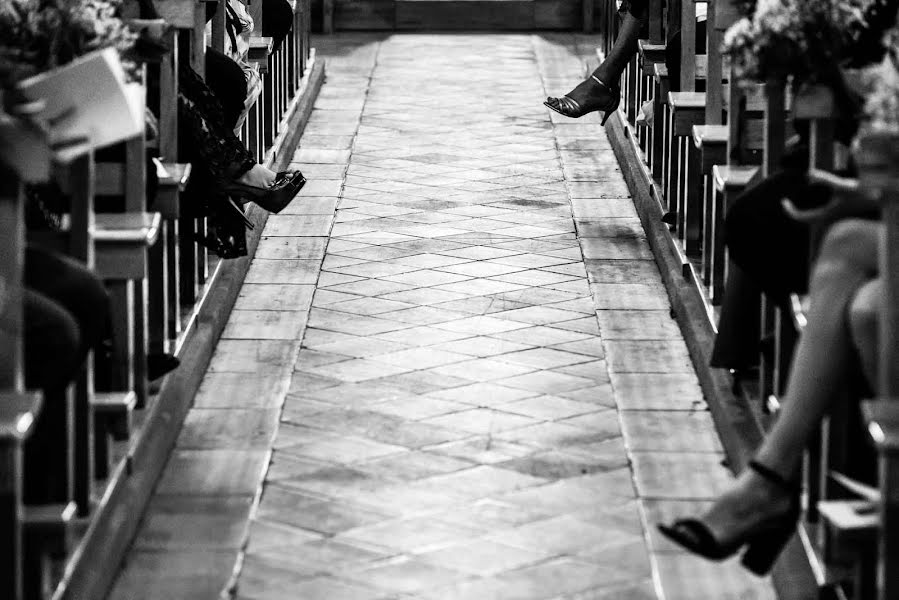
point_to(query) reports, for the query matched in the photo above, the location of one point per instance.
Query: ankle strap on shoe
(601, 82)
(773, 476)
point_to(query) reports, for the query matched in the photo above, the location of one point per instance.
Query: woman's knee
(53, 343)
(849, 248)
(864, 325)
(851, 239)
(82, 294)
(864, 310)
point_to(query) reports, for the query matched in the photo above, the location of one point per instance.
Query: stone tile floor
(452, 372)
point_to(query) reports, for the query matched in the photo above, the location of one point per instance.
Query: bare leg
(864, 321)
(847, 260)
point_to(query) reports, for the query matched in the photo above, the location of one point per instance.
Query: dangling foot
(259, 176)
(589, 96)
(760, 512)
(274, 196)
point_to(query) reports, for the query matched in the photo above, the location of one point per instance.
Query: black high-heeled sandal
(763, 544)
(570, 107)
(275, 197)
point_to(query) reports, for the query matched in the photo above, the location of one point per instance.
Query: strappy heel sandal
(763, 544)
(274, 198)
(570, 107)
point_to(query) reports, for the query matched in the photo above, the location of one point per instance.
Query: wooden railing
(168, 294)
(706, 144)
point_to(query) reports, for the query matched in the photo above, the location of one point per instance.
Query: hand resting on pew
(848, 200)
(25, 139)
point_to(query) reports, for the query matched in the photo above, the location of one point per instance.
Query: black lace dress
(218, 157)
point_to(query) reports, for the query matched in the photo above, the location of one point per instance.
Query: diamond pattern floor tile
(451, 372)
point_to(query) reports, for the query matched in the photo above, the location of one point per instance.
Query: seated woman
(223, 168)
(66, 316)
(761, 508)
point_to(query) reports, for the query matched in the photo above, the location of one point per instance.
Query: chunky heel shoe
(761, 554)
(570, 107)
(275, 197)
(763, 543)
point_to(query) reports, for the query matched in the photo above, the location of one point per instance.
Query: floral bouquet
(805, 39)
(69, 62)
(882, 83)
(38, 35)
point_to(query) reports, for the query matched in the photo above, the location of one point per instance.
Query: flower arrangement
(798, 38)
(882, 105)
(38, 35)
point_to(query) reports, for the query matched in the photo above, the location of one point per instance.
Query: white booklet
(89, 99)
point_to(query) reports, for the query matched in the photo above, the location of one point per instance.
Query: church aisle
(452, 363)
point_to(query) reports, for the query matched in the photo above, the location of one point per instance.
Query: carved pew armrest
(731, 178)
(882, 418)
(122, 240)
(18, 413)
(173, 178)
(711, 142)
(650, 55)
(260, 50)
(687, 110)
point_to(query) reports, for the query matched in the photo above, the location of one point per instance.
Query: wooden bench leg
(718, 252)
(712, 223)
(158, 277)
(694, 217)
(46, 539)
(118, 373)
(49, 451)
(328, 16)
(83, 441)
(202, 258)
(139, 358)
(10, 519)
(632, 97)
(678, 192)
(102, 452)
(673, 143)
(665, 142)
(173, 268)
(188, 265)
(658, 130)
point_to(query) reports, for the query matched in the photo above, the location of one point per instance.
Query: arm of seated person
(847, 201)
(24, 140)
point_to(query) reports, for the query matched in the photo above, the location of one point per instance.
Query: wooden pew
(18, 413)
(33, 538)
(122, 244)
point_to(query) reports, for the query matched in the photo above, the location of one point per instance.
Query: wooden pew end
(46, 538)
(260, 50)
(650, 55)
(173, 178)
(734, 178)
(47, 526)
(18, 413)
(122, 240)
(882, 417)
(113, 412)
